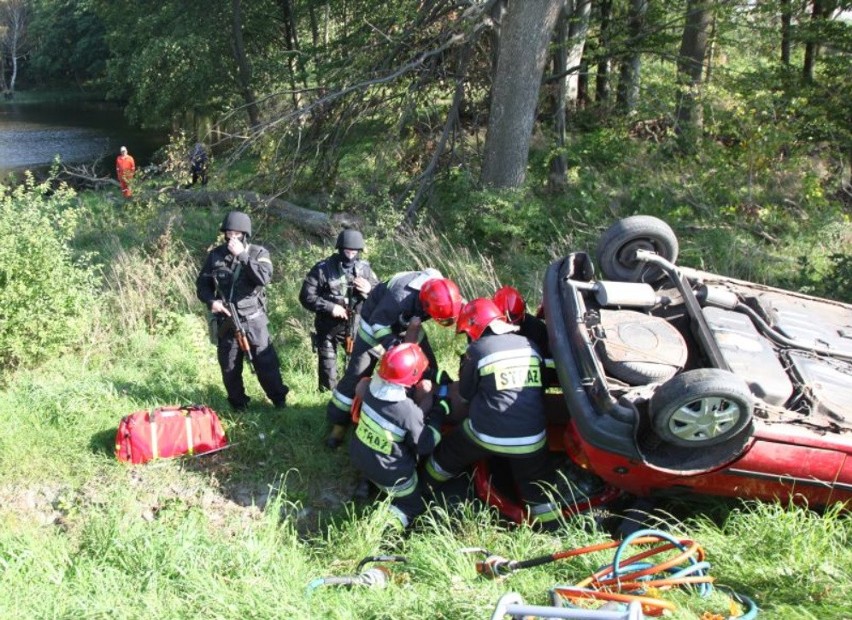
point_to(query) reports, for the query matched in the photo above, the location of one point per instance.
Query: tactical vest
(234, 286)
(338, 283)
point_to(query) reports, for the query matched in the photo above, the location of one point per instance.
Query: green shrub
(47, 293)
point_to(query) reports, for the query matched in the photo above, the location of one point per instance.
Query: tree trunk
(3, 87)
(558, 166)
(498, 10)
(786, 30)
(312, 15)
(583, 77)
(690, 67)
(14, 18)
(307, 220)
(602, 77)
(578, 27)
(243, 66)
(812, 46)
(524, 36)
(291, 44)
(628, 84)
(711, 48)
(13, 54)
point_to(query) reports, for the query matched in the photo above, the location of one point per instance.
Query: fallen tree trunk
(314, 222)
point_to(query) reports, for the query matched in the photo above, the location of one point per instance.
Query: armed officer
(334, 290)
(232, 280)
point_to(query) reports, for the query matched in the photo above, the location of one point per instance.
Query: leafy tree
(68, 44)
(179, 61)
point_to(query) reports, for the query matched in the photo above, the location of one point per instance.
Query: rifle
(351, 318)
(242, 339)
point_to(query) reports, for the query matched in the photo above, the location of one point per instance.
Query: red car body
(791, 353)
(678, 381)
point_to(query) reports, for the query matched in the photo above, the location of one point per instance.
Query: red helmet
(511, 303)
(441, 300)
(476, 316)
(403, 364)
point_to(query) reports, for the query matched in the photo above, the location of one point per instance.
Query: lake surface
(33, 134)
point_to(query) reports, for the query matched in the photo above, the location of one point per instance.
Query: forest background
(484, 138)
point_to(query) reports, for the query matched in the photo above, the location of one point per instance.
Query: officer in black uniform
(236, 272)
(334, 290)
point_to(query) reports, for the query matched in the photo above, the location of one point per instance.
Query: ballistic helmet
(238, 221)
(350, 239)
(476, 316)
(403, 364)
(441, 300)
(511, 303)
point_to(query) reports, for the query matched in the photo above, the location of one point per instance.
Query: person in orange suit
(125, 168)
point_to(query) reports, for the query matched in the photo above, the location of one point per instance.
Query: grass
(242, 533)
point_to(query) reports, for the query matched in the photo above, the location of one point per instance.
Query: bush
(47, 294)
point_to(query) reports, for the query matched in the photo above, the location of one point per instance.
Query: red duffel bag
(166, 432)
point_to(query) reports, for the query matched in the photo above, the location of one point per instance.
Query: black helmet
(237, 220)
(350, 239)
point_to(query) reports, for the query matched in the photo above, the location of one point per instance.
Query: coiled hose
(631, 579)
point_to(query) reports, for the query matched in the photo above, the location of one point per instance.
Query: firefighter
(393, 312)
(500, 379)
(125, 168)
(512, 305)
(235, 275)
(334, 290)
(394, 431)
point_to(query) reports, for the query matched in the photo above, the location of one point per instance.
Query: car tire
(617, 245)
(701, 407)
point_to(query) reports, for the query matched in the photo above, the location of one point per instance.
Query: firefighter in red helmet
(514, 308)
(394, 431)
(392, 313)
(500, 378)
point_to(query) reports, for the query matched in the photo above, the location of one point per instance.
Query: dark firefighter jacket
(501, 378)
(390, 307)
(391, 434)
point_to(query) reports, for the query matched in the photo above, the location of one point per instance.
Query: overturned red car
(676, 381)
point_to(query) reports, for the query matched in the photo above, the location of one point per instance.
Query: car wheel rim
(706, 418)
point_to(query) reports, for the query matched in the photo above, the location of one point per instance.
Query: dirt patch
(229, 499)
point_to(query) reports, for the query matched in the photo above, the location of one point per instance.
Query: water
(33, 134)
